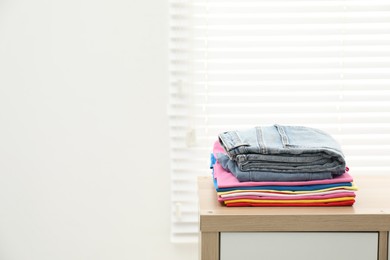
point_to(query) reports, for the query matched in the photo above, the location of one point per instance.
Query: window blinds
(236, 64)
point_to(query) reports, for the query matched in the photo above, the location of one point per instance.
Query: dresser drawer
(299, 245)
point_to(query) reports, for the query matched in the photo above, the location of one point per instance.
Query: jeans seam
(260, 140)
(283, 135)
(239, 141)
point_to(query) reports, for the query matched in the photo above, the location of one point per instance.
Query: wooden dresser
(359, 232)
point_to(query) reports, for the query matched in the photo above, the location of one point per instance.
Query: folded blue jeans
(282, 149)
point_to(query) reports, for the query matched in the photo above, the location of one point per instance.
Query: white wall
(84, 170)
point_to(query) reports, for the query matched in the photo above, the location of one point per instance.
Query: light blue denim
(299, 150)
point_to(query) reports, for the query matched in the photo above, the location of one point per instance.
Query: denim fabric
(232, 167)
(283, 150)
(307, 188)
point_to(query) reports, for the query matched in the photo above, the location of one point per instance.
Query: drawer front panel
(299, 245)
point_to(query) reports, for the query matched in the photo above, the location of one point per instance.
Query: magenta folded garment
(227, 180)
(314, 204)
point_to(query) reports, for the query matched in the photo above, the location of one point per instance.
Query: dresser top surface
(372, 205)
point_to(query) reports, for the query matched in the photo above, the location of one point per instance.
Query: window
(241, 63)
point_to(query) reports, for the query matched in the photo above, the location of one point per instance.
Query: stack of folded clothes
(281, 166)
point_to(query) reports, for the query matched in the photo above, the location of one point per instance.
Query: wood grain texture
(383, 246)
(209, 243)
